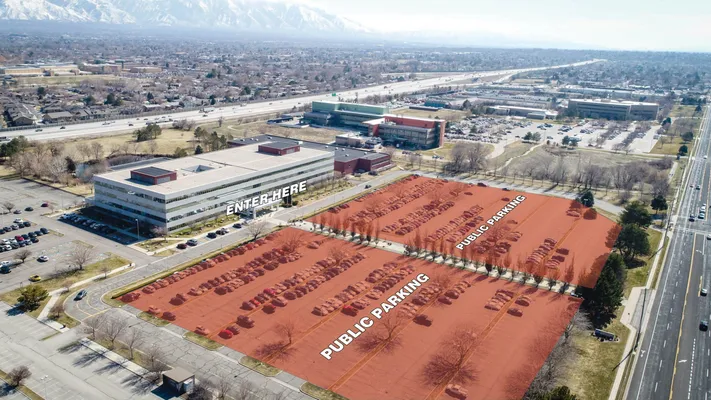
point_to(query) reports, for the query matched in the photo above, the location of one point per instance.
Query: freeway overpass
(101, 128)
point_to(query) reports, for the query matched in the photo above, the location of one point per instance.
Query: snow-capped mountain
(256, 15)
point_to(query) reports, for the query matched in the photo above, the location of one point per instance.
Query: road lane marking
(681, 324)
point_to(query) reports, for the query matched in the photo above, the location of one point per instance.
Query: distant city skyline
(604, 24)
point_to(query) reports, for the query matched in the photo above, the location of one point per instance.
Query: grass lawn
(670, 146)
(638, 276)
(206, 226)
(155, 244)
(123, 350)
(447, 115)
(166, 143)
(515, 149)
(64, 80)
(202, 341)
(258, 366)
(683, 111)
(24, 390)
(593, 372)
(91, 270)
(320, 393)
(165, 253)
(152, 319)
(443, 151)
(63, 318)
(320, 135)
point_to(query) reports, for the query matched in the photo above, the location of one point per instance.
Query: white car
(705, 157)
(18, 221)
(4, 263)
(43, 259)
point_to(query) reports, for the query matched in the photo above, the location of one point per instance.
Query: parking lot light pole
(138, 233)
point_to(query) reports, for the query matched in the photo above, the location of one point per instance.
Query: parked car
(45, 204)
(17, 212)
(212, 235)
(63, 127)
(18, 220)
(368, 186)
(35, 278)
(28, 209)
(80, 295)
(192, 242)
(43, 259)
(44, 230)
(27, 224)
(182, 246)
(704, 325)
(237, 226)
(34, 240)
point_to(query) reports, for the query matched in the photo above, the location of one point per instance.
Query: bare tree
(114, 327)
(84, 150)
(134, 338)
(223, 386)
(152, 146)
(450, 363)
(57, 310)
(160, 231)
(97, 150)
(56, 168)
(248, 391)
(290, 241)
(93, 325)
(286, 329)
(9, 206)
(201, 391)
(80, 256)
(154, 361)
(18, 375)
(384, 335)
(338, 252)
(24, 254)
(257, 228)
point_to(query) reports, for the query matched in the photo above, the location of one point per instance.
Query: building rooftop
(280, 145)
(211, 168)
(153, 172)
(342, 153)
(613, 102)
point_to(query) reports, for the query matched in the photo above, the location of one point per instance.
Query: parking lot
(497, 130)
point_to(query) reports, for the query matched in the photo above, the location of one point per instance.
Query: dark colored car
(704, 325)
(38, 233)
(80, 295)
(63, 127)
(44, 230)
(237, 226)
(29, 209)
(45, 204)
(17, 212)
(182, 246)
(212, 235)
(26, 236)
(481, 184)
(32, 235)
(27, 224)
(220, 232)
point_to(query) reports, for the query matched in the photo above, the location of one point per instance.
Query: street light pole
(138, 232)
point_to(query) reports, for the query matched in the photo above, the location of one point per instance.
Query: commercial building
(340, 114)
(528, 112)
(408, 132)
(611, 109)
(38, 70)
(178, 193)
(346, 160)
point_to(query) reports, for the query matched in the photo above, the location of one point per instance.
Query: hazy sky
(611, 24)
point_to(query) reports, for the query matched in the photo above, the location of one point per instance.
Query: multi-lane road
(674, 357)
(260, 108)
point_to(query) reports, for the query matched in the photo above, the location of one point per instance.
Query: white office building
(611, 109)
(177, 193)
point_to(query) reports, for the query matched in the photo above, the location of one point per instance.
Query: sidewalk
(56, 294)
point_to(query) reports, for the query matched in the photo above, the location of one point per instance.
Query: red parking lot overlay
(541, 235)
(286, 298)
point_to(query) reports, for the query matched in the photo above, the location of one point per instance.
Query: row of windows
(101, 192)
(214, 189)
(223, 204)
(123, 189)
(131, 210)
(266, 183)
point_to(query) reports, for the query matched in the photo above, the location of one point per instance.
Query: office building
(408, 132)
(177, 193)
(346, 160)
(528, 112)
(339, 114)
(611, 109)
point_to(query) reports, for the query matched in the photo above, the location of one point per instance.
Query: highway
(99, 128)
(674, 358)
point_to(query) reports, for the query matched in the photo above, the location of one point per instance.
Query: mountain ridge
(222, 14)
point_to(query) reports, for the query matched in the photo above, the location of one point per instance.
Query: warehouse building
(178, 193)
(611, 109)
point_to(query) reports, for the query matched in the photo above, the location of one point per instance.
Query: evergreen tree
(633, 241)
(602, 301)
(636, 213)
(659, 203)
(587, 199)
(198, 149)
